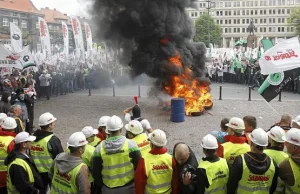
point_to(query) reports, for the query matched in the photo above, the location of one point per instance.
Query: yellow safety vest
(142, 142)
(87, 158)
(117, 169)
(65, 183)
(4, 143)
(254, 183)
(295, 189)
(41, 155)
(232, 150)
(159, 171)
(96, 142)
(11, 189)
(278, 157)
(217, 175)
(21, 123)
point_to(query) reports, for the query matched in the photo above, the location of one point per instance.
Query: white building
(269, 16)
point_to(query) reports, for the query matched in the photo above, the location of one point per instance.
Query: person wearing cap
(254, 171)
(296, 122)
(102, 132)
(134, 131)
(275, 151)
(68, 172)
(289, 169)
(90, 134)
(212, 172)
(157, 172)
(114, 160)
(236, 143)
(46, 147)
(15, 112)
(22, 174)
(7, 143)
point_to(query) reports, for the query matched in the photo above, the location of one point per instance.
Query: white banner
(26, 58)
(16, 38)
(45, 38)
(78, 38)
(281, 57)
(66, 40)
(6, 71)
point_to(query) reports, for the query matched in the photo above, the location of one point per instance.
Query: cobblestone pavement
(74, 111)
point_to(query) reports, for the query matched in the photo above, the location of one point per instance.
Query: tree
(201, 26)
(294, 19)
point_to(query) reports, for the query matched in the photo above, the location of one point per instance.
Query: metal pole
(114, 93)
(90, 93)
(220, 97)
(249, 99)
(139, 90)
(279, 97)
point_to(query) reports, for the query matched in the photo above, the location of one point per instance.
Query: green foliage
(201, 27)
(294, 19)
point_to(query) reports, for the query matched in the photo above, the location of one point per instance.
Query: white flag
(89, 43)
(78, 38)
(45, 38)
(26, 58)
(281, 57)
(66, 40)
(16, 38)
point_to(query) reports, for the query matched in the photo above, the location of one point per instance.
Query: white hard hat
(2, 117)
(237, 124)
(103, 121)
(89, 131)
(209, 142)
(77, 139)
(297, 120)
(259, 137)
(114, 123)
(46, 119)
(293, 136)
(158, 138)
(23, 137)
(134, 127)
(277, 134)
(9, 123)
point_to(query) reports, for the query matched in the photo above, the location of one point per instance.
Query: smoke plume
(150, 33)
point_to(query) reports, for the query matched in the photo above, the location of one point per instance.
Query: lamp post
(209, 5)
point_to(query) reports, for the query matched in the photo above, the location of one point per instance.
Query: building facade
(270, 18)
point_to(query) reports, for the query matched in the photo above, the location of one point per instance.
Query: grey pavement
(74, 111)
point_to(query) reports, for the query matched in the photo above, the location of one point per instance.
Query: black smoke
(150, 33)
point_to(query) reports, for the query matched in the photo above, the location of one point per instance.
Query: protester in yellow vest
(275, 151)
(253, 172)
(45, 148)
(134, 131)
(236, 145)
(289, 170)
(22, 174)
(7, 144)
(213, 172)
(68, 173)
(157, 171)
(114, 161)
(90, 134)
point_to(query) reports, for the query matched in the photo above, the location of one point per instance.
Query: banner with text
(78, 39)
(16, 38)
(45, 38)
(66, 41)
(89, 43)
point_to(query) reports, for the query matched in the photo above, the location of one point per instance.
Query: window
(265, 12)
(225, 21)
(238, 30)
(23, 15)
(247, 3)
(251, 3)
(255, 12)
(256, 3)
(274, 11)
(270, 11)
(15, 14)
(288, 29)
(225, 30)
(192, 14)
(261, 21)
(221, 4)
(265, 29)
(270, 20)
(238, 4)
(238, 12)
(279, 29)
(244, 12)
(274, 20)
(226, 13)
(234, 21)
(243, 3)
(247, 21)
(251, 12)
(260, 30)
(243, 21)
(238, 21)
(279, 11)
(282, 29)
(265, 20)
(24, 23)
(283, 20)
(5, 22)
(247, 12)
(16, 21)
(196, 14)
(234, 30)
(37, 25)
(221, 21)
(279, 20)
(229, 21)
(282, 11)
(292, 29)
(243, 30)
(255, 21)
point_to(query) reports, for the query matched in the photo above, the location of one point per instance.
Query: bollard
(249, 99)
(220, 97)
(114, 93)
(139, 90)
(279, 97)
(90, 93)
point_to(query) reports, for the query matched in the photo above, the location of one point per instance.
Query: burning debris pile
(155, 37)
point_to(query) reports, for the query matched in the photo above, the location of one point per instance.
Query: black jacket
(4, 104)
(257, 164)
(19, 176)
(202, 181)
(191, 166)
(54, 144)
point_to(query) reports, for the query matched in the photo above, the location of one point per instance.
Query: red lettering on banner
(87, 31)
(37, 148)
(75, 26)
(160, 167)
(281, 56)
(65, 176)
(145, 143)
(65, 30)
(42, 28)
(258, 178)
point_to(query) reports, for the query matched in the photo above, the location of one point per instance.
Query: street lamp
(209, 5)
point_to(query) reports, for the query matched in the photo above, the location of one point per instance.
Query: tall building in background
(270, 18)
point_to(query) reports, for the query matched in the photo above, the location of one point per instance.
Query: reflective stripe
(253, 189)
(118, 176)
(116, 166)
(57, 190)
(215, 190)
(159, 186)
